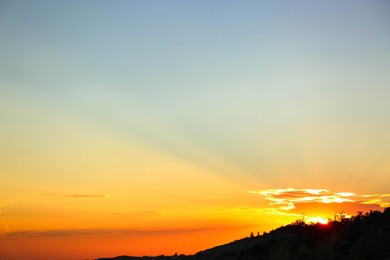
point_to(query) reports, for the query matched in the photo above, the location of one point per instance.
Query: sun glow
(314, 220)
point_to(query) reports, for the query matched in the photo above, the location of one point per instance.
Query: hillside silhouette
(364, 236)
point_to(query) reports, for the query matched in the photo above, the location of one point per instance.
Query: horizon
(149, 128)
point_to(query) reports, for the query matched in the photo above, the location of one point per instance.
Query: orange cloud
(107, 231)
(288, 198)
(78, 196)
(92, 243)
(137, 215)
(4, 228)
(4, 203)
(320, 202)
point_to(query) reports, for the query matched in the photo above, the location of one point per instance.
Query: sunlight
(313, 220)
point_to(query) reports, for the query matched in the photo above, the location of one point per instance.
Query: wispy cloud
(241, 210)
(65, 232)
(4, 228)
(219, 197)
(4, 203)
(380, 199)
(137, 215)
(286, 199)
(113, 231)
(78, 196)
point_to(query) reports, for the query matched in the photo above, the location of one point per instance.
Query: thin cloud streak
(5, 202)
(137, 215)
(78, 196)
(111, 231)
(219, 197)
(3, 228)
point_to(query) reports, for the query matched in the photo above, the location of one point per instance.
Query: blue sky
(256, 84)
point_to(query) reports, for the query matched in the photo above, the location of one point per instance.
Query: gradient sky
(155, 127)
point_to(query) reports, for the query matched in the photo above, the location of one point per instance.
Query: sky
(155, 127)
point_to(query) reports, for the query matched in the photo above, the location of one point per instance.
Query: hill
(364, 236)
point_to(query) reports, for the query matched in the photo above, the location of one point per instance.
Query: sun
(314, 220)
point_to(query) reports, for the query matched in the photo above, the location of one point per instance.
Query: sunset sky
(155, 127)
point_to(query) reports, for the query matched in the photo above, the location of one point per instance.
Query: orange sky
(77, 226)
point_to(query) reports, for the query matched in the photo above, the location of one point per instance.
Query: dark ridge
(364, 236)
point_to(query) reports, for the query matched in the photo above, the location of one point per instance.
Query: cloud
(219, 197)
(138, 215)
(4, 203)
(78, 196)
(4, 228)
(288, 199)
(241, 211)
(112, 231)
(380, 199)
(63, 232)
